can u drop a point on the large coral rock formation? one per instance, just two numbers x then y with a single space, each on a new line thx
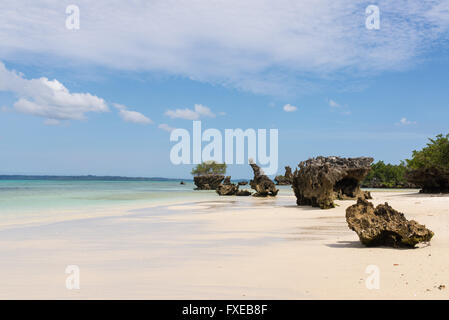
384 226
208 181
226 188
286 179
261 183
430 180
319 181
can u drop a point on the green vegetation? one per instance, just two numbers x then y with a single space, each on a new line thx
209 167
435 155
386 175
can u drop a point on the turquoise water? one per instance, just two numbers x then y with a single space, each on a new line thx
30 197
35 200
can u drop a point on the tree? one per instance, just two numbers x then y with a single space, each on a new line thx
435 155
209 167
388 175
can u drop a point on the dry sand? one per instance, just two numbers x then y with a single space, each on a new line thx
232 248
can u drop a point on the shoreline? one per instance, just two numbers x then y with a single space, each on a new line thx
225 249
110 210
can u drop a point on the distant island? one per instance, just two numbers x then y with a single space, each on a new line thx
85 178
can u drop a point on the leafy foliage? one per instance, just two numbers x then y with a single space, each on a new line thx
209 167
435 155
388 175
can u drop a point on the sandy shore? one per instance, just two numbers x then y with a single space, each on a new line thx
231 248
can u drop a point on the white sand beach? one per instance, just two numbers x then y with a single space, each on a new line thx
228 248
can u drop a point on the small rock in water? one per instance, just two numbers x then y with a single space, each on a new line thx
261 183
286 179
208 181
226 188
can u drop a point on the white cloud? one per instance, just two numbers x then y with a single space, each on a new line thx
189 114
340 108
405 122
333 104
261 46
48 98
289 108
132 116
166 127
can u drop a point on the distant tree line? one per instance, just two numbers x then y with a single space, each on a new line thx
434 156
386 176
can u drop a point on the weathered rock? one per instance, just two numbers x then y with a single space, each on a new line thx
208 182
243 183
227 180
227 189
430 180
319 181
261 183
286 179
243 193
384 226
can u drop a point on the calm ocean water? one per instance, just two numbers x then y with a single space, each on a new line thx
31 195
27 200
22 198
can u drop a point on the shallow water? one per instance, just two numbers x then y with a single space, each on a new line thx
27 199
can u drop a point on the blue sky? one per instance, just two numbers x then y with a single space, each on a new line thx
357 92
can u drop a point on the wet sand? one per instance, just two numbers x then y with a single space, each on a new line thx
231 248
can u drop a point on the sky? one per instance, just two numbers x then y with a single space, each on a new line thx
102 99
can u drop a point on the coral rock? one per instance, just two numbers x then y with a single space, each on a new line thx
430 180
208 182
227 189
384 226
319 181
261 183
286 179
243 193
227 180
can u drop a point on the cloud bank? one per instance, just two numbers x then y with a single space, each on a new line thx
260 46
48 99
